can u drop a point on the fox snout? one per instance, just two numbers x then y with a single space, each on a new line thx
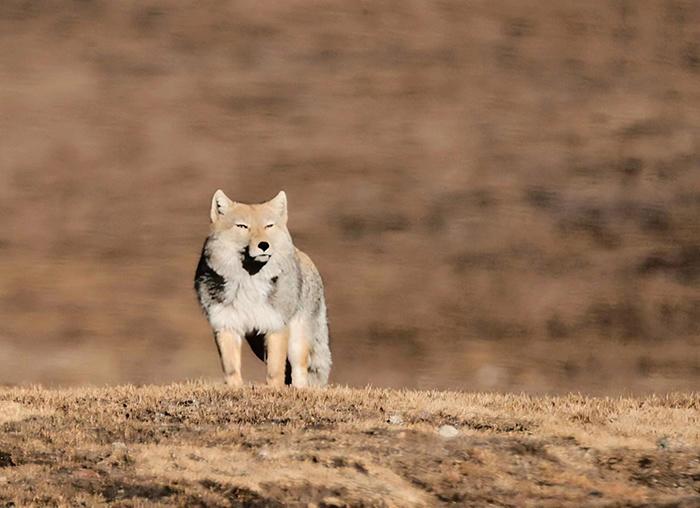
259 248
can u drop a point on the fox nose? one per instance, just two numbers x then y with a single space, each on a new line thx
263 246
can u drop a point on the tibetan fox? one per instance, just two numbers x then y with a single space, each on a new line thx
253 283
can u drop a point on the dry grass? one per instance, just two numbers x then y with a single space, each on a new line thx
199 444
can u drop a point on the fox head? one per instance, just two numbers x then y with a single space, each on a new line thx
258 232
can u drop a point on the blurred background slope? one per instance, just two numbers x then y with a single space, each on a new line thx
500 195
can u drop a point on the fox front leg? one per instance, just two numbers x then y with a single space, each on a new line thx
229 345
276 344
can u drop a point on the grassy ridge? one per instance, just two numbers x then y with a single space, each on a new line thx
200 444
520 175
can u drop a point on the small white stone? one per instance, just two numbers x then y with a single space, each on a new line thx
448 431
395 420
118 445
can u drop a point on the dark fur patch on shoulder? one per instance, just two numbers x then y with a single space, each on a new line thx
207 280
272 295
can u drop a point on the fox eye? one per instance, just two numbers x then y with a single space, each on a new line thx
269 226
242 226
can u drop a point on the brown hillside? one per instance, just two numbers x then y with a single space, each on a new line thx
500 195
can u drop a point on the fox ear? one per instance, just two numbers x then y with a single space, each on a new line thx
279 202
220 204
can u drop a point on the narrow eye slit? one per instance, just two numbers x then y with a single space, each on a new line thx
244 226
269 226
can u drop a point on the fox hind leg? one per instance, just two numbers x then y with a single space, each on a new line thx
299 351
256 340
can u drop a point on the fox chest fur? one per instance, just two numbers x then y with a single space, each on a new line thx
246 307
239 302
